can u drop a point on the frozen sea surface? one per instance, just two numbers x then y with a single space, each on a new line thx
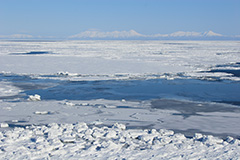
187 87
180 99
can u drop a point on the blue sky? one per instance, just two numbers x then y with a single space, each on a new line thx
62 18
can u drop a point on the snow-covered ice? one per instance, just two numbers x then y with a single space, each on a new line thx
108 58
119 99
181 116
80 141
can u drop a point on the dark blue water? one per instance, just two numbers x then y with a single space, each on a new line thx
33 53
188 89
234 72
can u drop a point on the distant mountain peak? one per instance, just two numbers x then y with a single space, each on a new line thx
211 33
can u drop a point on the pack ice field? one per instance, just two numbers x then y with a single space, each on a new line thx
119 93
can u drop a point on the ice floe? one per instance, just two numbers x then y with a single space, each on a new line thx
206 118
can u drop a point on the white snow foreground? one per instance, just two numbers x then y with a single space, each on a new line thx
80 141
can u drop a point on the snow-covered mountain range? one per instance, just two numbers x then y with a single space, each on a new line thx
132 35
94 34
194 34
16 36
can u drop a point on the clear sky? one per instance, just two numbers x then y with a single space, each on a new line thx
68 17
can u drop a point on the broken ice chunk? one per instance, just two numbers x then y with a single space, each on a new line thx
4 125
68 139
36 97
41 112
69 104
